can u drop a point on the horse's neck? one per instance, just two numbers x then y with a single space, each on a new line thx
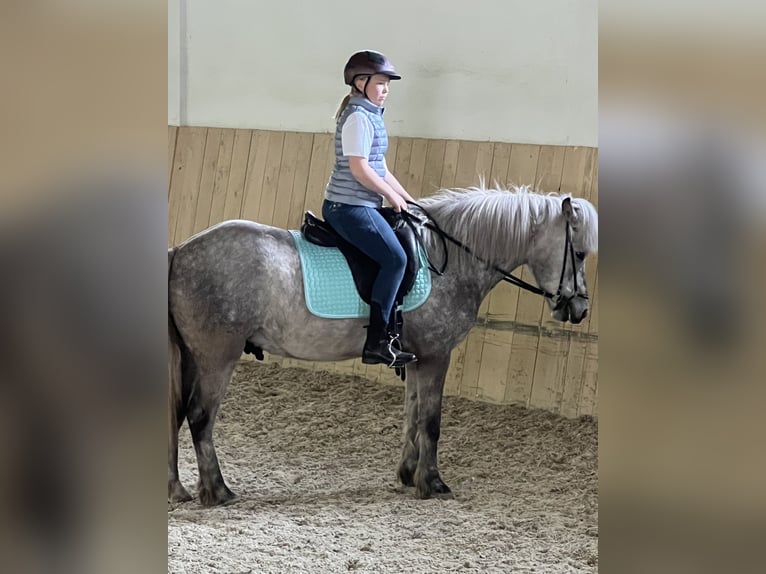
475 276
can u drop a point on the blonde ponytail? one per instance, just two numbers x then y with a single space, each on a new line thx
342 106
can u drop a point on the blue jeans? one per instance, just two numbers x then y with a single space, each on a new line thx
366 230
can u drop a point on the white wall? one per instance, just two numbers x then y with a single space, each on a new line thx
174 62
502 70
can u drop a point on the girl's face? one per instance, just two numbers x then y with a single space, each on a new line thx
377 88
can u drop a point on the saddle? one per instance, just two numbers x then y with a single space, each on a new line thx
363 269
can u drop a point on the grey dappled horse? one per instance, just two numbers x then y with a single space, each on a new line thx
240 282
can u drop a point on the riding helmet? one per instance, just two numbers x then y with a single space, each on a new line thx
367 63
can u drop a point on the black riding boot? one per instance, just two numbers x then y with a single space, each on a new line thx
378 347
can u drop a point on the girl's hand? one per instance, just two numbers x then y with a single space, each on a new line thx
397 202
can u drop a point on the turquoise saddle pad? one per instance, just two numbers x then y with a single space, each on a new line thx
330 289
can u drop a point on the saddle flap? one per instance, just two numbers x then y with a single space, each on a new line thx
318 232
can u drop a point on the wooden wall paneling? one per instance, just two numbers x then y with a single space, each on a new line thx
474 348
573 375
577 171
235 189
550 366
493 367
521 364
414 181
582 344
359 369
589 394
484 159
344 367
207 181
522 165
300 182
253 192
465 172
221 180
271 177
284 193
377 373
449 166
190 149
432 172
323 145
172 134
393 144
402 161
550 166
501 158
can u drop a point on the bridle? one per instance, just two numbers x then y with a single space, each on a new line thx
558 299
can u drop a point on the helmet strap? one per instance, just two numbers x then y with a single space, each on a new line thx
366 83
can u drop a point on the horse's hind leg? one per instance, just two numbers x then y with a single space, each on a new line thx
176 415
430 376
410 451
206 398
176 490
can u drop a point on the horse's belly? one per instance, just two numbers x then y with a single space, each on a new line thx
298 334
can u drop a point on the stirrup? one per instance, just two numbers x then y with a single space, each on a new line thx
395 351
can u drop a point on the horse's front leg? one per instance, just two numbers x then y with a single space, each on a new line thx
409 460
429 376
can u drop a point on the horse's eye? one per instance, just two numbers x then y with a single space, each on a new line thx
580 255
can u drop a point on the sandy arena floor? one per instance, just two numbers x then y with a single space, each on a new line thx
313 457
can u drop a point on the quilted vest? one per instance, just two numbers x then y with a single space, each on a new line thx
343 186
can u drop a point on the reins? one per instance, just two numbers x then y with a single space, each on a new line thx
430 223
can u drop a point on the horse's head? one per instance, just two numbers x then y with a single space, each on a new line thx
557 258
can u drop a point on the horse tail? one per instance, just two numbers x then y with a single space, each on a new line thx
176 403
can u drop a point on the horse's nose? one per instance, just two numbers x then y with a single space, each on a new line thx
577 315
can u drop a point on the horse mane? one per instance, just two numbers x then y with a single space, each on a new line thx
480 217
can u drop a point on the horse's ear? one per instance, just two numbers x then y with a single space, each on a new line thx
568 210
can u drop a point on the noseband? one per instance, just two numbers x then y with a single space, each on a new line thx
559 301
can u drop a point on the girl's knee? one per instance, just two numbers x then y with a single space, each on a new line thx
399 258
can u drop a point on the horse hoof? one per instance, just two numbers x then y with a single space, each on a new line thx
177 492
435 486
438 487
217 496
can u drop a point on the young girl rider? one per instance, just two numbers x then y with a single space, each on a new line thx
359 182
